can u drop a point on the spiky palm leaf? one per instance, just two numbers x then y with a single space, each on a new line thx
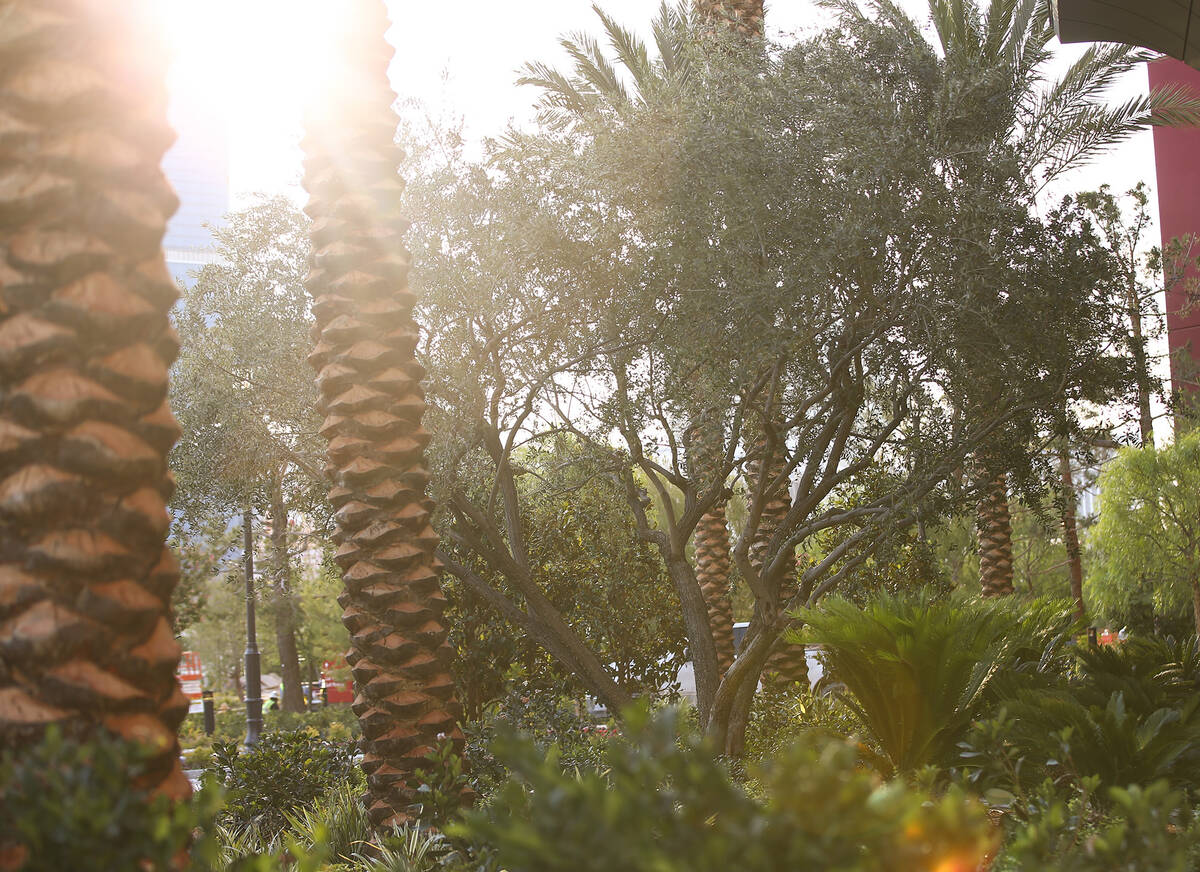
598 84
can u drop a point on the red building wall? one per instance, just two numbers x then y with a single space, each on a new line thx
1177 161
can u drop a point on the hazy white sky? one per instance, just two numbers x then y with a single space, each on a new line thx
256 58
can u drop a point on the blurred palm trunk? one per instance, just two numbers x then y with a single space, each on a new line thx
85 344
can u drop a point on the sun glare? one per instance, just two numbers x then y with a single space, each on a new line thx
251 65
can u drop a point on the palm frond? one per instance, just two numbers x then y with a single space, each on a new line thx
595 69
998 31
1096 70
892 13
631 52
957 23
1093 129
561 102
847 11
671 29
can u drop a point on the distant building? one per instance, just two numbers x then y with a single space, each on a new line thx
198 167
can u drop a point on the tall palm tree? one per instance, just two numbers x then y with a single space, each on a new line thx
994 528
371 393
85 345
993 67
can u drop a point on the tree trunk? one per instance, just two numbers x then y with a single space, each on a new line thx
1141 366
712 571
85 345
284 606
705 458
786 663
1070 535
728 717
995 540
371 392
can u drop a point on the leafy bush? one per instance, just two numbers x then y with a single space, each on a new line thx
1056 736
70 805
665 802
283 773
337 723
1148 829
1151 672
333 722
919 670
547 720
780 716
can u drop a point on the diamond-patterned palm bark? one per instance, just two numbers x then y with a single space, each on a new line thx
372 399
995 540
705 456
786 663
85 344
712 571
742 16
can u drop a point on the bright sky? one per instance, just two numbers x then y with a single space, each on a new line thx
256 59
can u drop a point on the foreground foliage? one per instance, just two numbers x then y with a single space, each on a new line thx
676 806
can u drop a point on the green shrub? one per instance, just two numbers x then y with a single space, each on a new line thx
1151 672
1056 736
666 803
780 716
336 723
283 773
549 721
1147 829
69 805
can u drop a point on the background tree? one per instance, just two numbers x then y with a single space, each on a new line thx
587 558
85 577
1004 118
247 405
1123 223
1147 541
590 276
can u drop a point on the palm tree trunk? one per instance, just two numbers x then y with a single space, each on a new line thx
372 397
1141 365
995 540
85 345
284 604
705 456
786 663
712 571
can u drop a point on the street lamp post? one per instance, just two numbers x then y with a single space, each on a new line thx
254 718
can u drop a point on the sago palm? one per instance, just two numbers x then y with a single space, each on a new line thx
85 578
999 102
371 393
918 670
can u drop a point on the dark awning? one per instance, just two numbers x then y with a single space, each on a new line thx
1169 26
